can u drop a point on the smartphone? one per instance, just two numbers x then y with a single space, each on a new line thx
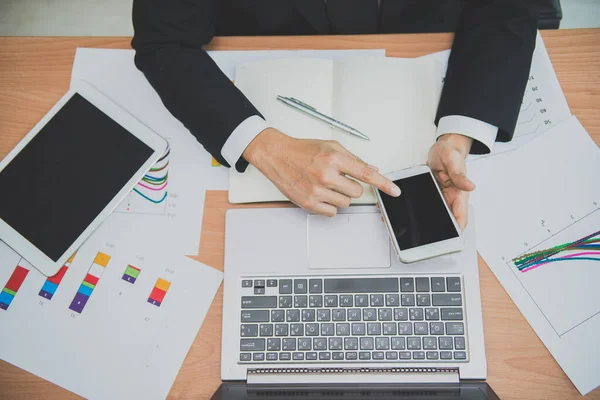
419 221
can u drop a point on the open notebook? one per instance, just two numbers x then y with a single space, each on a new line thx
391 100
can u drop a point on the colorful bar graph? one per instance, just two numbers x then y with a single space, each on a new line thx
89 282
131 274
159 291
51 284
12 286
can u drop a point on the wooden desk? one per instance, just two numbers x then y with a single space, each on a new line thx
35 73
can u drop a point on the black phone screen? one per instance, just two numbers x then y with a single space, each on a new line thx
419 216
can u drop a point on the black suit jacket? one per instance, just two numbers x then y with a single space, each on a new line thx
486 77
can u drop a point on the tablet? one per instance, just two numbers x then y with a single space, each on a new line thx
68 173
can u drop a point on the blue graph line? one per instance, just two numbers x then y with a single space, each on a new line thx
149 199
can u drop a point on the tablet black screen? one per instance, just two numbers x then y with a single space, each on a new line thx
65 176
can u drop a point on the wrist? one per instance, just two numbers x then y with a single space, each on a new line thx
460 142
266 142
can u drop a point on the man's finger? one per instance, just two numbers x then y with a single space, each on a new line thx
460 209
324 209
335 199
360 170
461 181
346 186
457 171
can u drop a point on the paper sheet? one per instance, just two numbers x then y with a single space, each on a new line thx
542 195
117 325
544 104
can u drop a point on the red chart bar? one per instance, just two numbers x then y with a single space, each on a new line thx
59 276
17 278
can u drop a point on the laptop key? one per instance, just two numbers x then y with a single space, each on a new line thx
407 285
315 286
413 343
271 356
359 328
389 328
429 343
258 357
391 355
300 286
436 328
385 314
418 355
300 301
342 329
247 283
407 300
405 328
382 343
259 290
460 355
454 299
296 329
292 315
277 315
335 343
288 344
323 315
252 344
346 300
351 355
284 356
315 300
400 314
259 301
331 300
339 315
311 355
452 314
445 343
312 329
255 316
438 285
350 343
416 314
337 355
364 355
298 356
459 343
376 300
273 344
319 344
398 343
369 314
308 315
304 344
324 356
285 286
245 356
374 328
453 283
392 300
422 284
432 355
423 300
271 283
445 355
327 329
285 301
361 300
249 330
259 283
432 314
404 355
455 328
281 329
367 343
266 329
377 355
421 328
354 314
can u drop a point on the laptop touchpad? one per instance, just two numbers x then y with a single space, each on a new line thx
347 241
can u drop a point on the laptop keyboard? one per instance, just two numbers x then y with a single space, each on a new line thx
353 320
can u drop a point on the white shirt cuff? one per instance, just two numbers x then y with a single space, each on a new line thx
471 127
241 137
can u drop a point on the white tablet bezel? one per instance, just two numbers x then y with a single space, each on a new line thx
158 144
429 250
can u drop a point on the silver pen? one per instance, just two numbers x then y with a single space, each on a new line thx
311 111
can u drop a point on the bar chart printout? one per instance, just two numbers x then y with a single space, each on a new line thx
131 274
159 291
52 282
89 282
14 283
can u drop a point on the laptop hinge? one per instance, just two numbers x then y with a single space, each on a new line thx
352 375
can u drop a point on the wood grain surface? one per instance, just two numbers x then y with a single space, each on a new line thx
35 73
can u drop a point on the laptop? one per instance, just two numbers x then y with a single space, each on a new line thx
311 300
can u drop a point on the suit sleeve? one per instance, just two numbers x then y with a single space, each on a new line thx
489 64
168 40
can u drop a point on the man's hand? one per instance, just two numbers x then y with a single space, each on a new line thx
312 173
447 162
